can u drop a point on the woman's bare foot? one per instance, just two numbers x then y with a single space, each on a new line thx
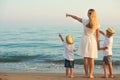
111 76
67 76
91 76
104 76
72 76
87 76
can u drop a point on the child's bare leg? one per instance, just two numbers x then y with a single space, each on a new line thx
71 72
110 70
86 66
105 70
67 72
91 67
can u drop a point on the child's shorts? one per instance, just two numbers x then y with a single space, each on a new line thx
69 64
107 59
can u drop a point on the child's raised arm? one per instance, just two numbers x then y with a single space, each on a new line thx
102 32
61 37
74 17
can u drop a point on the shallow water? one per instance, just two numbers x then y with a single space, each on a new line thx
39 49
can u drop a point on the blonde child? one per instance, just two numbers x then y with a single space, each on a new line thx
69 50
107 52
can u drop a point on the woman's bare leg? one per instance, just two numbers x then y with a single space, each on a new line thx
91 67
86 66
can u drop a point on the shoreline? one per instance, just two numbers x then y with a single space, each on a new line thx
50 68
50 76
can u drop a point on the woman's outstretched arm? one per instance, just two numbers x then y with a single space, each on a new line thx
102 32
74 17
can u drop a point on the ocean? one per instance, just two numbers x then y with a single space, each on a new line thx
39 49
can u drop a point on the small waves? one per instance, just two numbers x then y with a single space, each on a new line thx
81 62
26 45
28 58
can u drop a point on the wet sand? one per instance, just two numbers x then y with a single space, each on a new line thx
50 76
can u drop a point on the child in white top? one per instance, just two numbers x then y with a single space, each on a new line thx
107 51
69 49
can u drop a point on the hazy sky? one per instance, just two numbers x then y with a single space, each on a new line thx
52 12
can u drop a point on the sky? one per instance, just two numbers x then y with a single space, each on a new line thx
52 12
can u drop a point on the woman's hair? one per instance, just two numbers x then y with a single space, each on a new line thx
93 19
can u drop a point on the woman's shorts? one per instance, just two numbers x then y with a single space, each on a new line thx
69 64
107 59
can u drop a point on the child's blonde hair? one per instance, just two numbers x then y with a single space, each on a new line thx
69 39
110 31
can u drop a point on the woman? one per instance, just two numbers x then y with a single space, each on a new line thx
88 44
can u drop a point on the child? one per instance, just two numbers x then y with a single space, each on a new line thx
69 49
107 51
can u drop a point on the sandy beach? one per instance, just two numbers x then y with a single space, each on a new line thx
50 76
